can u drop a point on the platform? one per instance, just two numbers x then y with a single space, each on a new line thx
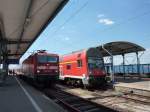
141 87
17 96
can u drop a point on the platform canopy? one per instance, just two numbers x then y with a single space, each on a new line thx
22 21
119 48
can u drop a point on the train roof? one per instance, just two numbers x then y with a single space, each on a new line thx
44 53
78 51
73 52
41 53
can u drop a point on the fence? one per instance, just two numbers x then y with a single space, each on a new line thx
132 69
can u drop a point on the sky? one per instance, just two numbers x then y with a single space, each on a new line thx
87 23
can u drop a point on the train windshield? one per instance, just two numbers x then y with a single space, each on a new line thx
52 59
45 59
94 63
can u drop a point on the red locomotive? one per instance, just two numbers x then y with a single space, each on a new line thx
85 66
41 67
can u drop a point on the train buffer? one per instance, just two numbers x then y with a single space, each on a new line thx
17 96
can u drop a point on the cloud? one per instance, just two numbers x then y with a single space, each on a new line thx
63 37
106 21
103 20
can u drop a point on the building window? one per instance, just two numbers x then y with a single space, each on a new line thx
79 63
68 67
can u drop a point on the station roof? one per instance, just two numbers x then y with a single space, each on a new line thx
22 21
119 48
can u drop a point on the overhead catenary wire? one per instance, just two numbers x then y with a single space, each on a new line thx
124 21
67 21
127 20
74 14
71 17
106 29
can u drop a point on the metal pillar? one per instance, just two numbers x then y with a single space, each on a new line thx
112 69
112 65
148 68
5 67
123 65
3 53
143 69
1 60
0 52
132 69
138 64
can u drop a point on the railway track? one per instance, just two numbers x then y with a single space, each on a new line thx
137 98
120 101
74 103
129 96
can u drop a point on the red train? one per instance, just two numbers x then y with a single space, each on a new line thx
41 67
85 66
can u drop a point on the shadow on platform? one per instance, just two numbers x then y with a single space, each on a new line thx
17 96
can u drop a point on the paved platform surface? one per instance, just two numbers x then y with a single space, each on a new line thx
141 87
144 85
17 96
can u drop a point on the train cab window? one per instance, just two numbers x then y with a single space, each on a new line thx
79 63
45 59
95 63
52 59
68 67
42 59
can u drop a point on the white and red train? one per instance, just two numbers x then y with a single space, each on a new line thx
85 66
82 67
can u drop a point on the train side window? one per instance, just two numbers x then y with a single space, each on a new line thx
68 67
79 63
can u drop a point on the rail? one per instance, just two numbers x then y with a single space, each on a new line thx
75 103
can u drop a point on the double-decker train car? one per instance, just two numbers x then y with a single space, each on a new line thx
41 67
83 67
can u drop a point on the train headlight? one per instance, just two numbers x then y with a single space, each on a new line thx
103 72
90 72
38 71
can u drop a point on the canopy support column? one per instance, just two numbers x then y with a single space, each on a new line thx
3 54
112 68
123 55
138 64
0 52
5 68
112 65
